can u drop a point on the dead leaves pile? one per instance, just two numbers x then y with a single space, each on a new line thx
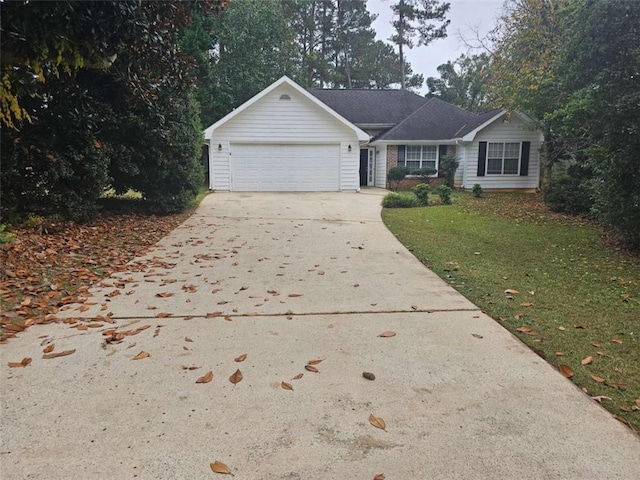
48 268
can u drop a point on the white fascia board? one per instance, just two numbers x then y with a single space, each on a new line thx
362 135
472 134
447 141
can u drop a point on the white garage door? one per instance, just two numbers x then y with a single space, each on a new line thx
285 168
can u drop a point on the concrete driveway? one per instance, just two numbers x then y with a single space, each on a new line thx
284 279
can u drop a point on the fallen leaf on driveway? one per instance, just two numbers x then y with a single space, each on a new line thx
387 334
566 371
49 348
213 314
219 467
190 367
286 386
163 315
23 363
164 294
315 361
241 358
187 339
298 376
236 377
477 335
379 476
141 355
64 353
206 378
414 307
293 295
311 368
377 422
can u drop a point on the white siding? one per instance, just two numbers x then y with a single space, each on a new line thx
513 131
349 166
270 121
381 166
458 179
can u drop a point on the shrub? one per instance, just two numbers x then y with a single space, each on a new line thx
5 236
421 191
396 175
399 200
571 192
445 194
477 190
424 173
448 166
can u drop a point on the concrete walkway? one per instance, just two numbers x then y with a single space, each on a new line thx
284 279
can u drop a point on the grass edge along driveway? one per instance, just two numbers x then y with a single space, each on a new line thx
548 278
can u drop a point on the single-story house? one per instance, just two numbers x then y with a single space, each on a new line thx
287 138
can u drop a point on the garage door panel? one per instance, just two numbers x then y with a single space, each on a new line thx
285 167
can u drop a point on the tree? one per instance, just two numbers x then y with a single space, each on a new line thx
417 18
463 82
255 47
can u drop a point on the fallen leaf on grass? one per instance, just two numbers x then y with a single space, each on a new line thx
559 354
241 358
524 329
599 398
586 360
566 371
141 355
49 348
510 291
219 467
236 377
64 353
598 379
22 363
206 378
377 422
617 340
286 386
581 326
311 368
387 334
526 304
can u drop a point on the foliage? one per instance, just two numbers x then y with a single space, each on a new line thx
5 235
109 105
447 169
463 82
569 191
421 191
477 190
423 173
396 175
561 269
444 192
399 200
417 18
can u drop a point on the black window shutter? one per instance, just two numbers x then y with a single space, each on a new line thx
442 151
524 159
482 158
401 154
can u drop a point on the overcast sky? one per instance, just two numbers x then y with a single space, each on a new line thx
464 15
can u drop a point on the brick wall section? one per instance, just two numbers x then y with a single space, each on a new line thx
409 183
392 157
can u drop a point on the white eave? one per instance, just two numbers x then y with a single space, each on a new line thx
362 135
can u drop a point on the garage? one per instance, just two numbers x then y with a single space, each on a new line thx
281 168
284 140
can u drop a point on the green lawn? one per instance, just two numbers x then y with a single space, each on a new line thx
577 297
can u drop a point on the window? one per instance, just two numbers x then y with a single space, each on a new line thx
503 158
420 156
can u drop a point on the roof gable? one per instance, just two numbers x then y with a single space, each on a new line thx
362 136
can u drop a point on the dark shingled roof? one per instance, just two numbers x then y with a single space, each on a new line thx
367 106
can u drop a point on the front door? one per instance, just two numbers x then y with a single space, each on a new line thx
364 166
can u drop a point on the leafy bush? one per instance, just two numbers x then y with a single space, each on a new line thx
570 190
399 200
424 173
445 194
396 175
477 190
421 191
448 166
5 236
